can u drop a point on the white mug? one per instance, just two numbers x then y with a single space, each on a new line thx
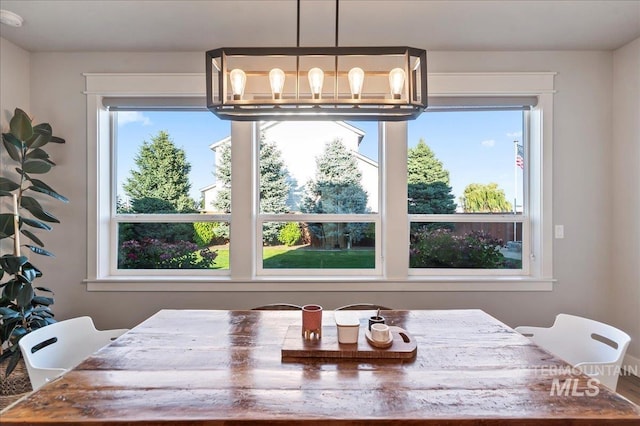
380 332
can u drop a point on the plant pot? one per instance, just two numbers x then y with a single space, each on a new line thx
16 385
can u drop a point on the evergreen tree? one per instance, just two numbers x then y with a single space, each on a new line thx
163 173
159 185
274 188
428 182
479 198
336 189
222 202
423 166
431 198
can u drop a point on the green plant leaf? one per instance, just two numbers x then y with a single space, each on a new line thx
11 289
37 153
33 223
8 313
41 136
41 300
25 295
36 166
38 250
48 290
36 210
56 139
29 266
7 184
41 187
6 225
20 125
32 237
12 264
29 275
13 146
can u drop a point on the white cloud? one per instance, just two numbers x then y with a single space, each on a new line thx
515 134
126 117
490 143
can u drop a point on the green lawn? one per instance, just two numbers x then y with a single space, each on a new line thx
301 258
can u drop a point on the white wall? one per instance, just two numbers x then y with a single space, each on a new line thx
14 84
582 181
625 242
14 93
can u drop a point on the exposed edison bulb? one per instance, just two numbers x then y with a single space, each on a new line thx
238 80
356 80
396 82
316 79
276 80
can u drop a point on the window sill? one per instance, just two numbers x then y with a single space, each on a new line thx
334 284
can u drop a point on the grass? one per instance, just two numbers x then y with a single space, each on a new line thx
301 257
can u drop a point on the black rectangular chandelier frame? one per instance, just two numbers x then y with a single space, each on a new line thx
298 103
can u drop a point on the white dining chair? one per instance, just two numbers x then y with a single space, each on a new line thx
50 351
595 348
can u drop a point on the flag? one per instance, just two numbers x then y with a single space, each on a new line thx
520 156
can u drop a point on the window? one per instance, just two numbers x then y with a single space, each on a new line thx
266 194
465 186
171 200
318 199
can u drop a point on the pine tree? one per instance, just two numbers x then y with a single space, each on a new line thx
423 166
428 182
163 173
479 198
336 189
222 202
274 188
159 185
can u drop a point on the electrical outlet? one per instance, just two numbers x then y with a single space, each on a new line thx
559 231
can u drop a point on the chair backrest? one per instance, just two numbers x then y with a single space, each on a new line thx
50 351
594 347
363 307
278 307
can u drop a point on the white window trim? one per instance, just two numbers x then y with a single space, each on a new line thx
394 227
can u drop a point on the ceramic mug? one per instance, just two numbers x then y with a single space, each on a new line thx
311 322
376 320
380 332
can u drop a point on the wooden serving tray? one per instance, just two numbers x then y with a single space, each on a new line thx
294 346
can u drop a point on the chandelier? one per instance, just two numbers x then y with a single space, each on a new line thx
316 83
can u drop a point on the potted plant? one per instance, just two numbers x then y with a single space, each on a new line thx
24 307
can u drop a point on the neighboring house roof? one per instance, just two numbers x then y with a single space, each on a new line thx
269 124
300 158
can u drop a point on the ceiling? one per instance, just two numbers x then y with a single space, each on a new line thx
199 25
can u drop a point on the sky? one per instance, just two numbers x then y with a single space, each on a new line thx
475 147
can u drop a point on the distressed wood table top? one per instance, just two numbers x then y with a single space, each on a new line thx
225 367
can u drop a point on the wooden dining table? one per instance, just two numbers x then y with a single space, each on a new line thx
196 367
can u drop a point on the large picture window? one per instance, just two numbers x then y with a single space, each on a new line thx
465 189
459 199
318 198
172 192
